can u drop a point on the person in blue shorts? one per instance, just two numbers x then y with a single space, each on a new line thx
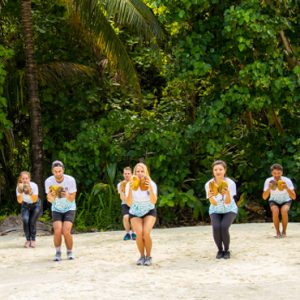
220 191
280 191
127 173
61 192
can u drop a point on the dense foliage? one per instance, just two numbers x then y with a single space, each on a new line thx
223 84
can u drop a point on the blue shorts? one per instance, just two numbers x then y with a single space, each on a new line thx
62 217
151 212
279 205
125 209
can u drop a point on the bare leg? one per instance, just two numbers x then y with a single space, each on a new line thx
57 226
275 216
66 231
126 223
149 222
137 225
285 218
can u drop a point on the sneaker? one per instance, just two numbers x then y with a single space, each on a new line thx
133 236
57 256
220 254
141 261
127 237
226 255
70 255
148 261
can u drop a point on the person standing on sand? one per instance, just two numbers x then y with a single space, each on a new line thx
220 191
141 196
127 173
61 192
280 191
27 195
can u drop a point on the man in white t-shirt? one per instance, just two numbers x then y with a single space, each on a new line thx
61 192
127 173
280 191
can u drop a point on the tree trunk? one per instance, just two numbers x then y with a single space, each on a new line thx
34 101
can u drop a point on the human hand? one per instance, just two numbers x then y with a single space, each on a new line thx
20 188
213 201
272 185
27 189
224 190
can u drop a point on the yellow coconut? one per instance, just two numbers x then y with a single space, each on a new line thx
134 182
144 183
57 189
213 188
273 185
280 185
222 186
123 186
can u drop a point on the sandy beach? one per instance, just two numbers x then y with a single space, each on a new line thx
184 266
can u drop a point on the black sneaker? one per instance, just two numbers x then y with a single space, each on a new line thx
219 254
226 255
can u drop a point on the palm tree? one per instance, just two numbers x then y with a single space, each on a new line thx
93 19
33 94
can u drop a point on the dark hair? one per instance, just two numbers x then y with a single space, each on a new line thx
57 163
276 167
219 162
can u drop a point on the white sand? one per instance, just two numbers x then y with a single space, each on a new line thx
184 266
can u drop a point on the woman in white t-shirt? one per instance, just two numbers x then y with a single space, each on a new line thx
280 191
142 212
220 191
27 195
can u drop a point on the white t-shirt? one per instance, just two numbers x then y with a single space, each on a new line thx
26 197
222 207
62 205
276 195
141 203
119 191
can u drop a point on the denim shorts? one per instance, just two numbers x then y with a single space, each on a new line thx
62 217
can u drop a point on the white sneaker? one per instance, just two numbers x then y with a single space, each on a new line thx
141 261
57 256
70 255
148 261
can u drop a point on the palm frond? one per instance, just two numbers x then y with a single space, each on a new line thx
135 14
2 3
54 72
90 15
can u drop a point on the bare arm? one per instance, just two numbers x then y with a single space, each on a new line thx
129 197
212 199
291 193
266 194
226 193
51 197
153 197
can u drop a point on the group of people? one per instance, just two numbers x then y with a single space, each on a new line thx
138 194
61 192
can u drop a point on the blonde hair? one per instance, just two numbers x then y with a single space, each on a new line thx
21 174
142 165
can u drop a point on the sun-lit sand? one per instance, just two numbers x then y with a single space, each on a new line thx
184 266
